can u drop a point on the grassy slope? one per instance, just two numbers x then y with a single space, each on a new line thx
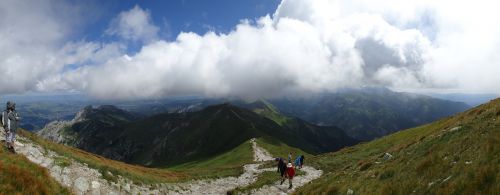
135 173
271 112
431 159
227 164
279 149
19 176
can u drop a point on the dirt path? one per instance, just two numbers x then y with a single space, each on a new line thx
82 179
276 188
260 154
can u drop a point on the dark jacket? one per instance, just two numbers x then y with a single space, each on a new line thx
13 121
5 117
281 166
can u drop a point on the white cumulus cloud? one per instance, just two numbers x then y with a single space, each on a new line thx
135 25
304 47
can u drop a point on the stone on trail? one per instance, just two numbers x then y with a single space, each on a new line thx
81 184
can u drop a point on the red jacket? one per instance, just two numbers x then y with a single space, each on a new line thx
290 172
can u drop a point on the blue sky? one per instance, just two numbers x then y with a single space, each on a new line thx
174 16
141 49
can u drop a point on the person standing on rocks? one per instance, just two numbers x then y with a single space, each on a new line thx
290 173
290 157
11 124
281 168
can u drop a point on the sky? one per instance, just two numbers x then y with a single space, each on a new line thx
247 48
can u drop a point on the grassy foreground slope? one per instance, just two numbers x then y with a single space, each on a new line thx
137 174
19 176
456 155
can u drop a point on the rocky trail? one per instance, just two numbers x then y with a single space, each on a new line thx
82 179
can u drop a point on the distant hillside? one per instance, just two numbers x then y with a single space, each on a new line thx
369 113
174 138
89 122
456 155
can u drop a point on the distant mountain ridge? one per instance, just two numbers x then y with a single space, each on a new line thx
105 116
173 138
368 113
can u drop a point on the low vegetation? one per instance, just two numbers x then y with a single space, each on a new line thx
227 164
456 155
19 176
109 168
279 149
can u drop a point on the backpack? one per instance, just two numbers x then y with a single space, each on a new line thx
4 118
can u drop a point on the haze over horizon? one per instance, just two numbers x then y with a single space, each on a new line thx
144 49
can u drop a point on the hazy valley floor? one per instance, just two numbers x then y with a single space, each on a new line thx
82 179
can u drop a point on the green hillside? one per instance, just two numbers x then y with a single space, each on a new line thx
20 176
456 155
171 139
226 164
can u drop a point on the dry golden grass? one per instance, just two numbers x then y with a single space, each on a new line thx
19 176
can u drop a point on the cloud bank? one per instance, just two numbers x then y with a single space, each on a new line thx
304 47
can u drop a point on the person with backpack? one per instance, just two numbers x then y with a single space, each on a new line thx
301 161
281 168
11 123
4 121
297 161
290 173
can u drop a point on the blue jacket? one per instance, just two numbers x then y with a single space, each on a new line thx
297 161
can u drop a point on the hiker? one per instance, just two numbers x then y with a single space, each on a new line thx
290 157
301 161
297 161
290 173
4 120
12 122
281 168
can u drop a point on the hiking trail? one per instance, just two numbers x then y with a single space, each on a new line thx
81 179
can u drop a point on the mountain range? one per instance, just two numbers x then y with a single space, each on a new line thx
368 113
174 138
